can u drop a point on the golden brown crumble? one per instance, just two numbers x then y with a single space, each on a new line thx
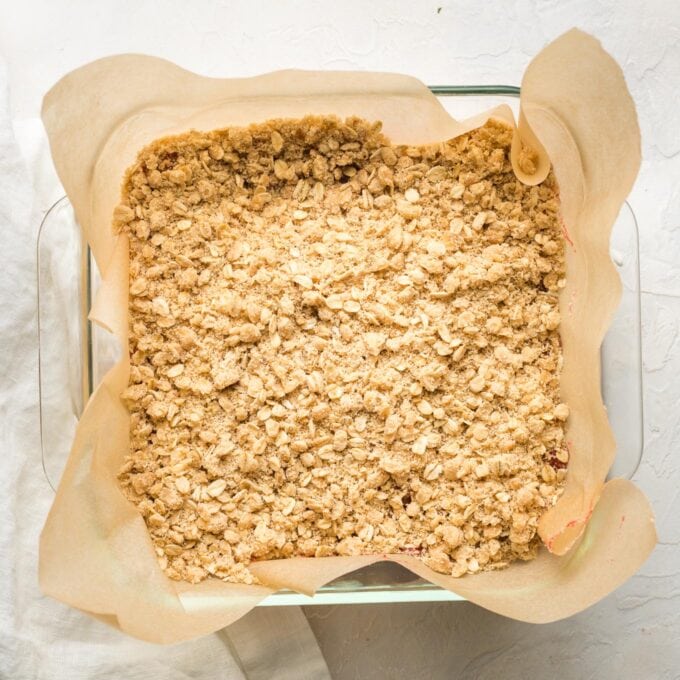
341 346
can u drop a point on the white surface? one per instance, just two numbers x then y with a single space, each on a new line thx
632 634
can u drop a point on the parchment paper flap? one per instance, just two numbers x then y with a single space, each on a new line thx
577 115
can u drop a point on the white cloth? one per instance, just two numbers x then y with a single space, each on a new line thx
39 637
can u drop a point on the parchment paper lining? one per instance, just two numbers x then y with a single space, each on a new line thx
576 114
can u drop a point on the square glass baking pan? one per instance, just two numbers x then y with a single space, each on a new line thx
74 354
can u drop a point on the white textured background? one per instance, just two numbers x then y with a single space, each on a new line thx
634 633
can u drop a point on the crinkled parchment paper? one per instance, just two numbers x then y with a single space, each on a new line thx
576 114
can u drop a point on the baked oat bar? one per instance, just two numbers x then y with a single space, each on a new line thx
341 346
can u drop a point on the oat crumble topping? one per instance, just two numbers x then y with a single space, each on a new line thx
341 346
